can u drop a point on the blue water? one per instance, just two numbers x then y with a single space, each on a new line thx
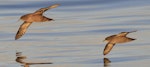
75 38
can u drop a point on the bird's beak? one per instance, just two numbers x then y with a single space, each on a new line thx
53 20
132 31
104 40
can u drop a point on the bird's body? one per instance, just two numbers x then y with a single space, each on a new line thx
37 16
118 38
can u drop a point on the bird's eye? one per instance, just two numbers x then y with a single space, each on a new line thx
40 11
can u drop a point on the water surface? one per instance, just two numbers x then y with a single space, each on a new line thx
75 38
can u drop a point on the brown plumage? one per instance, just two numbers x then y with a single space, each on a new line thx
37 16
118 38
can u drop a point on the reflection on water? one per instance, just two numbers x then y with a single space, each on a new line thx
20 59
106 62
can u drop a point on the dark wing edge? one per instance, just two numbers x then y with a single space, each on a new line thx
126 39
22 29
108 48
130 39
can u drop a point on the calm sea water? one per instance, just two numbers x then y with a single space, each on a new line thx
75 38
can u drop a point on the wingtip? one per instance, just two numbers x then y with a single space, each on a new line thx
54 5
16 38
105 54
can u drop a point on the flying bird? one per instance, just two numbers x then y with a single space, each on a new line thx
118 38
37 16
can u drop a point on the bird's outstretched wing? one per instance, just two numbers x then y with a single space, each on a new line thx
42 10
53 6
22 29
108 48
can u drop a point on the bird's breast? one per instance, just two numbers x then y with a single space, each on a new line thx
27 17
